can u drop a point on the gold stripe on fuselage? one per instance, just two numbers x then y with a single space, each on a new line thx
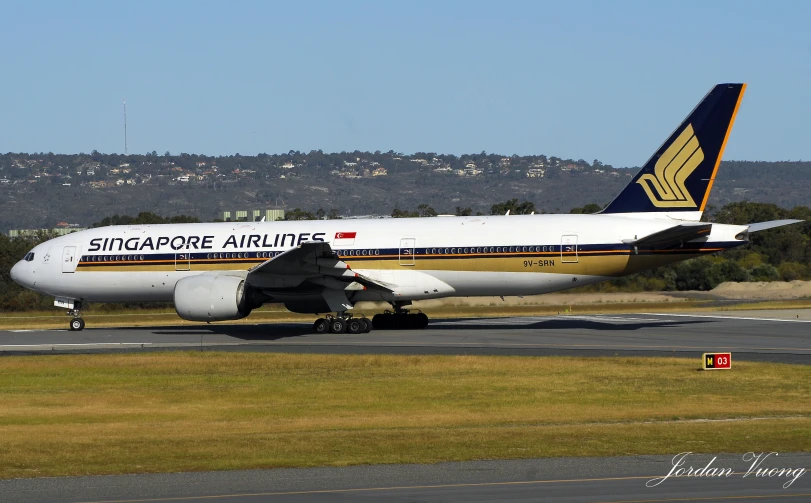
591 263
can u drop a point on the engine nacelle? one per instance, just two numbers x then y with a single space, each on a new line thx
211 298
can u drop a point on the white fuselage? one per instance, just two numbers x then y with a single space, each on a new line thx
423 257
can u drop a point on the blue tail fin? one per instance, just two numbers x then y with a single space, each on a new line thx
679 176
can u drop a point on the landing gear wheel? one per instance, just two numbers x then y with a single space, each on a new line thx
76 324
381 321
402 320
353 326
367 325
321 326
337 326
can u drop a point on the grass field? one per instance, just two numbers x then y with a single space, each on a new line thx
133 413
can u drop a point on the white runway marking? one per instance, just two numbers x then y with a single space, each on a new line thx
526 320
729 317
80 344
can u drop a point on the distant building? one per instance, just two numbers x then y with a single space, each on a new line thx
381 171
57 231
252 215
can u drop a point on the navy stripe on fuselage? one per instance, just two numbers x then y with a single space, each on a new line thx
371 254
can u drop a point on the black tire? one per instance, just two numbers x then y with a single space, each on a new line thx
76 325
338 326
354 326
320 326
421 320
367 325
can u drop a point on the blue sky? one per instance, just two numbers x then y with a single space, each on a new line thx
606 80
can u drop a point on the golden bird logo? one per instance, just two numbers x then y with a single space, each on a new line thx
680 159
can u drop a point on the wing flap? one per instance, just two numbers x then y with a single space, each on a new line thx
317 262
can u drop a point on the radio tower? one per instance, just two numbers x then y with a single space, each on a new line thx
125 126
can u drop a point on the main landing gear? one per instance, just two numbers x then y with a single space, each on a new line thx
400 319
77 323
342 323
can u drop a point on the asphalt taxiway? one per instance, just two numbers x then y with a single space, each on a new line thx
780 337
609 479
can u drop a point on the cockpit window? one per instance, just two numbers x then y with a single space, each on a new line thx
29 257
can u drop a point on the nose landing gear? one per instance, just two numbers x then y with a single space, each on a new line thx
77 323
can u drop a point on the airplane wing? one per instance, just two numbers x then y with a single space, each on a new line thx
311 268
672 237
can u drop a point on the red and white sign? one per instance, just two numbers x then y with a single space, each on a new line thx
344 239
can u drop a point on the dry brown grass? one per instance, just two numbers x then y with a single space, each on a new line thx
94 414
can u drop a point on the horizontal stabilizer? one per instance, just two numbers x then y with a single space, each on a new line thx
672 236
762 226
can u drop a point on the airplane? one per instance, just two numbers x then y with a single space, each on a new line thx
222 271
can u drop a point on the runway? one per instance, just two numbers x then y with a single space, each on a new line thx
759 336
608 479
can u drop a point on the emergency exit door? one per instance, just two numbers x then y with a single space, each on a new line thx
568 248
183 260
407 251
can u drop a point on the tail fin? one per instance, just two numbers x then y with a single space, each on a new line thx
678 178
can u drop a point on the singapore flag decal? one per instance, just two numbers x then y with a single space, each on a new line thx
344 239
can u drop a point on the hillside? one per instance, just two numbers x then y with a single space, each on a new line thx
40 190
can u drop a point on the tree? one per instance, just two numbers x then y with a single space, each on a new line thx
587 209
426 211
514 207
398 213
299 214
463 212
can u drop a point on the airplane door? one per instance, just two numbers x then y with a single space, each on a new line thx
183 260
568 248
407 251
69 259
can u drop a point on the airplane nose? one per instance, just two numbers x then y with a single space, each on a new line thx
15 272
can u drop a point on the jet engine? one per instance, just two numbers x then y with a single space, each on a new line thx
212 298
